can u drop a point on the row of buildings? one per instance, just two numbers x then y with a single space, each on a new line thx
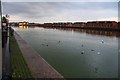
68 24
24 23
90 24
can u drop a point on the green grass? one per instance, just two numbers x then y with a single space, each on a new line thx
18 63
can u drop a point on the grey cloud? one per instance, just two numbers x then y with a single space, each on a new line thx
61 0
30 9
49 10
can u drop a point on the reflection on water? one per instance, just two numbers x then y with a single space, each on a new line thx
94 32
24 27
76 53
88 31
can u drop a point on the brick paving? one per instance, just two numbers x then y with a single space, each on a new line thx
38 66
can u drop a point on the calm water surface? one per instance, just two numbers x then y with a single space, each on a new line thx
75 54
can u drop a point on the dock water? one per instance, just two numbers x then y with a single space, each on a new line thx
38 66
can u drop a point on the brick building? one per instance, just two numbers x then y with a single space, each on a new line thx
47 24
102 24
23 23
79 24
69 24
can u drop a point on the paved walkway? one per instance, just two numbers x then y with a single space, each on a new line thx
38 66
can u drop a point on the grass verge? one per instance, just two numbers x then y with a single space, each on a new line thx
18 63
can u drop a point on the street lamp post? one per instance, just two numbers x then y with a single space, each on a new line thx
4 31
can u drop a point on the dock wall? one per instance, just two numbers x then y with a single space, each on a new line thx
38 66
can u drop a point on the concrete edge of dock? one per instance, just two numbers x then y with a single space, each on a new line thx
37 65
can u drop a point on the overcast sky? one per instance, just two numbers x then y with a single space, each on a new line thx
60 0
43 12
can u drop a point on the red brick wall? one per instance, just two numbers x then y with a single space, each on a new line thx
103 24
